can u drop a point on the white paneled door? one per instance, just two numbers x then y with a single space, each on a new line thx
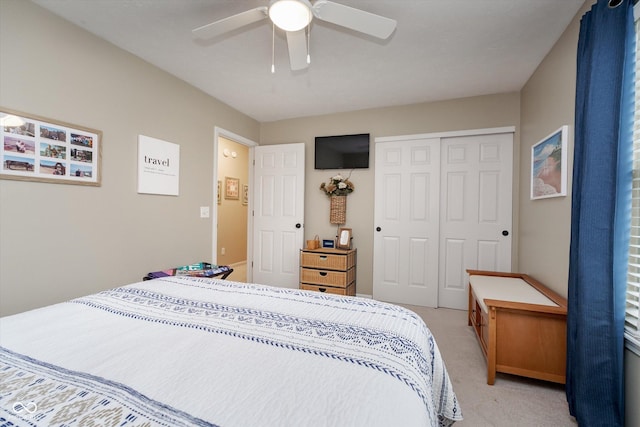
278 214
407 187
475 211
442 205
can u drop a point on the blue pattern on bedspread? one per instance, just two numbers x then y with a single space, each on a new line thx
76 398
202 316
394 343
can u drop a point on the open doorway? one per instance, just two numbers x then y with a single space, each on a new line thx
231 220
233 203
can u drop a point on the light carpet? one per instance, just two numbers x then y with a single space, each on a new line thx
512 400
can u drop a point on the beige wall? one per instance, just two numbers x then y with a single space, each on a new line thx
232 214
63 241
547 104
632 389
460 114
548 101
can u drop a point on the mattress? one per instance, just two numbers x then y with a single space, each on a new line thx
185 351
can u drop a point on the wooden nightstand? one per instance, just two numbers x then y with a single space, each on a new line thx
328 270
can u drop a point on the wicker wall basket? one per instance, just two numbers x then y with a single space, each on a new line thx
338 210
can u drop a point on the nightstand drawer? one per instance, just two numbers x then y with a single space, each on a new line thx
327 277
349 290
328 261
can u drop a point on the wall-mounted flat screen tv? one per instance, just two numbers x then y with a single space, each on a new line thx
342 151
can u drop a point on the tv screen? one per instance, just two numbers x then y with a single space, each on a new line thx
342 151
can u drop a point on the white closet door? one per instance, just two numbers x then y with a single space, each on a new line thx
443 204
407 176
475 211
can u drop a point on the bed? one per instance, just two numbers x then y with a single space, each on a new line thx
185 351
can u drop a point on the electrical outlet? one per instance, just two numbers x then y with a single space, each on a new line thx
223 251
204 211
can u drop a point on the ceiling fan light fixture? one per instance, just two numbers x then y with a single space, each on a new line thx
290 15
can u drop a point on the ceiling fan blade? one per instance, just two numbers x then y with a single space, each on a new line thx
355 19
297 42
229 24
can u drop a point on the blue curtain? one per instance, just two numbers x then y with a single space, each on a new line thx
600 211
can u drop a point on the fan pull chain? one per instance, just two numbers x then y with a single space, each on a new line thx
273 49
308 31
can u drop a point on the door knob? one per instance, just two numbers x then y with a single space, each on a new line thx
298 225
505 233
378 229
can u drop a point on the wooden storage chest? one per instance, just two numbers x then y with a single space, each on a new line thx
521 325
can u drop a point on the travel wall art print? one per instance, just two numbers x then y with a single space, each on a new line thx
40 149
549 166
158 166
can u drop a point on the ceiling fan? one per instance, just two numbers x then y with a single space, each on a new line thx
294 17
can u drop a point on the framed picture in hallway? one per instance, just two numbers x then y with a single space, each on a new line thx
231 188
245 194
549 165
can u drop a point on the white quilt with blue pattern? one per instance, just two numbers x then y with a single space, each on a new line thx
184 351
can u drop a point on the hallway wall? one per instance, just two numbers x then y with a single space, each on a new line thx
232 213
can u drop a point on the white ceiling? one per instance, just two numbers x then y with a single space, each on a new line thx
441 49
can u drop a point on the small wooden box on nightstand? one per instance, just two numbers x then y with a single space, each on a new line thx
328 270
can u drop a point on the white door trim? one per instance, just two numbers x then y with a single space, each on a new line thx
449 134
217 133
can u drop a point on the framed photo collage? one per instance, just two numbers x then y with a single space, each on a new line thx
39 149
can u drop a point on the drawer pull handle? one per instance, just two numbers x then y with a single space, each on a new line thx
323 257
322 273
322 289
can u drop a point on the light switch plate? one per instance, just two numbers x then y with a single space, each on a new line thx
204 211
